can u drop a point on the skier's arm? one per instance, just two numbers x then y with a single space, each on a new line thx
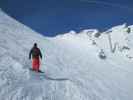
40 54
30 54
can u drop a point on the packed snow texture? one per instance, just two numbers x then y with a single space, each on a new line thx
71 61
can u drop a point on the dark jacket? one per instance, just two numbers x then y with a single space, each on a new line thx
35 53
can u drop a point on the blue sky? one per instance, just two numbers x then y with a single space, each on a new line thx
52 17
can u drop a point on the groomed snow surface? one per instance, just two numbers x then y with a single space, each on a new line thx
73 69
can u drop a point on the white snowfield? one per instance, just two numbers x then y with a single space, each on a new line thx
73 69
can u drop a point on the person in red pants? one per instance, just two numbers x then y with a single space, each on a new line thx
36 55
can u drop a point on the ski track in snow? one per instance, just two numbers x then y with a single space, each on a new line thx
72 68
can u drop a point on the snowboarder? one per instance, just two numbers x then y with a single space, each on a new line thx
36 55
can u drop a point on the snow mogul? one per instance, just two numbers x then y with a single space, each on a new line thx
36 55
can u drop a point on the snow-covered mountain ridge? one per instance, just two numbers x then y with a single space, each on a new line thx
118 38
73 56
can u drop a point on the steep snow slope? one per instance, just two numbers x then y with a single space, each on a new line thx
71 56
16 81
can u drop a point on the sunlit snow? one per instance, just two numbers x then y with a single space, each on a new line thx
71 62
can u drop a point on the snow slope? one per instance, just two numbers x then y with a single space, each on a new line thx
71 61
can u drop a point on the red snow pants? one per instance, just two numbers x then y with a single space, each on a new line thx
35 64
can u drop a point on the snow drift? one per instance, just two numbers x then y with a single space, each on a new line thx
71 61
